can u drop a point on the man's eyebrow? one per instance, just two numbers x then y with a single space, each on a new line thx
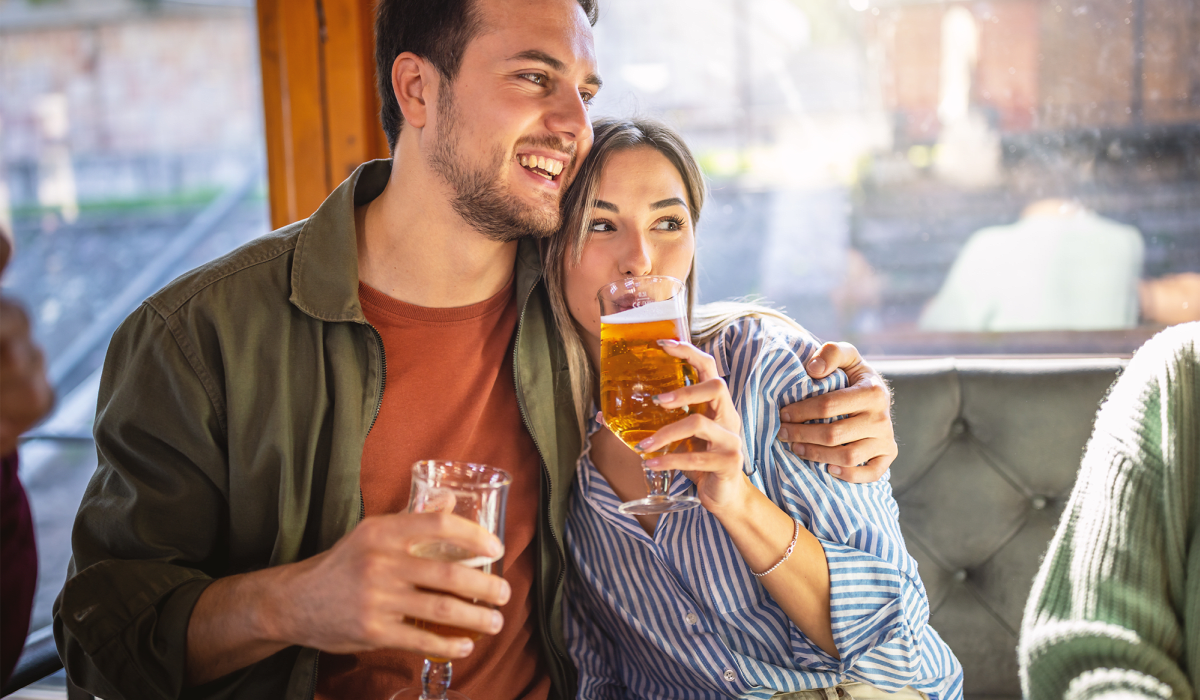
608 206
554 64
673 201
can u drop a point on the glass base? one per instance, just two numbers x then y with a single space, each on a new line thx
655 505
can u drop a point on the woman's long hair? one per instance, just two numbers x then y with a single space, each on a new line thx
565 248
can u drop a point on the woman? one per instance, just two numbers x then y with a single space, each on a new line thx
673 607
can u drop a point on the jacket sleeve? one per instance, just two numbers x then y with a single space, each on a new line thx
879 607
148 536
1104 616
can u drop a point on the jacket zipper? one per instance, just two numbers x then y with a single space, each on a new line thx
362 506
545 470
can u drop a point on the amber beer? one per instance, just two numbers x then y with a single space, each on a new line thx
636 313
634 369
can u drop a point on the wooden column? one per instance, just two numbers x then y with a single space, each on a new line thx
319 101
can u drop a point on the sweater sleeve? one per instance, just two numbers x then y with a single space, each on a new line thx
1106 615
18 571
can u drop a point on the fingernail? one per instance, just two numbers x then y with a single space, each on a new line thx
667 343
816 366
783 434
798 449
669 396
646 444
497 621
651 463
495 549
505 592
836 471
787 417
466 648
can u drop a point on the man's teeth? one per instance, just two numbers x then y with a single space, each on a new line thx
546 167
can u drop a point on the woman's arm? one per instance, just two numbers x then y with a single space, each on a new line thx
761 530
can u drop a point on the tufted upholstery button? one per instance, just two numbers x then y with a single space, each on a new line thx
1038 502
959 427
730 675
960 575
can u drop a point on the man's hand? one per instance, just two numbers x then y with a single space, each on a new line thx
361 595
25 394
864 437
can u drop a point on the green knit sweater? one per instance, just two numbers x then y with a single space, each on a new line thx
1115 608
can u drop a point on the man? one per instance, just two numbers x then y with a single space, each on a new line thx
25 398
245 513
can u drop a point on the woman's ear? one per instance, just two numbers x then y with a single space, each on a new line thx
412 78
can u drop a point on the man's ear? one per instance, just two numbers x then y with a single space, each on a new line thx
413 79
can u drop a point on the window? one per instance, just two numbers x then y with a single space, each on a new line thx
1013 176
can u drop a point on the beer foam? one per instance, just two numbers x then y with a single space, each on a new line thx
654 311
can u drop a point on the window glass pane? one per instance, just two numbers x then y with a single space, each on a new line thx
130 151
1016 176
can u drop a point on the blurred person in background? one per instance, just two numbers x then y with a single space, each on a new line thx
25 398
1059 267
1115 608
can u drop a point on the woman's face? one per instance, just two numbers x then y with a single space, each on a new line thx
640 226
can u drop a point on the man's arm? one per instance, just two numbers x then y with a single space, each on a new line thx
864 437
358 596
147 608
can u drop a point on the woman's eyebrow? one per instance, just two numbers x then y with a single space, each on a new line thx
664 203
608 206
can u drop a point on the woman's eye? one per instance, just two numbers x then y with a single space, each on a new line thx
668 225
600 227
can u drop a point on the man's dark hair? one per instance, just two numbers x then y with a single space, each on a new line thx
436 30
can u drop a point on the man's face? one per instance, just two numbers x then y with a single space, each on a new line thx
513 126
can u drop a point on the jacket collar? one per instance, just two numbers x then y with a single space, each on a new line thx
325 268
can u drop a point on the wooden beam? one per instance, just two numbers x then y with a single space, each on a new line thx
319 100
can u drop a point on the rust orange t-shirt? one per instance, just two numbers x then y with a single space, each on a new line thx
450 395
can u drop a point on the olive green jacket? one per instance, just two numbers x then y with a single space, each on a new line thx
233 409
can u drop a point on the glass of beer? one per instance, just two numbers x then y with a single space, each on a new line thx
636 313
478 493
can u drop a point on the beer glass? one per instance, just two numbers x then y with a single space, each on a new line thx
478 493
635 313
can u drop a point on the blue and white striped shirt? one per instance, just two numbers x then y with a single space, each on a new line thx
678 614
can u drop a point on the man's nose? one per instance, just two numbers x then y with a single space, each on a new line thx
569 119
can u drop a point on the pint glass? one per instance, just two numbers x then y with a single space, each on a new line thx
635 313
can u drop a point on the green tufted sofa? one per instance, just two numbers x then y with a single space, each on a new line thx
989 450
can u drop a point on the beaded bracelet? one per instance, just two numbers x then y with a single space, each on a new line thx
788 553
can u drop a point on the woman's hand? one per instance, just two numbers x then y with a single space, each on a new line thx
717 471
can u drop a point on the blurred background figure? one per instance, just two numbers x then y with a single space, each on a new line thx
1060 267
25 398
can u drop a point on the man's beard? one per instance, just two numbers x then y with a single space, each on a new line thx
479 196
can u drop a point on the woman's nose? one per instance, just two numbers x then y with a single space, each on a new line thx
637 260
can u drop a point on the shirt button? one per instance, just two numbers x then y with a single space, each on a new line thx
730 675
691 619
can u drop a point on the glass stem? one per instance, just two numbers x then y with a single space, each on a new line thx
435 680
656 482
